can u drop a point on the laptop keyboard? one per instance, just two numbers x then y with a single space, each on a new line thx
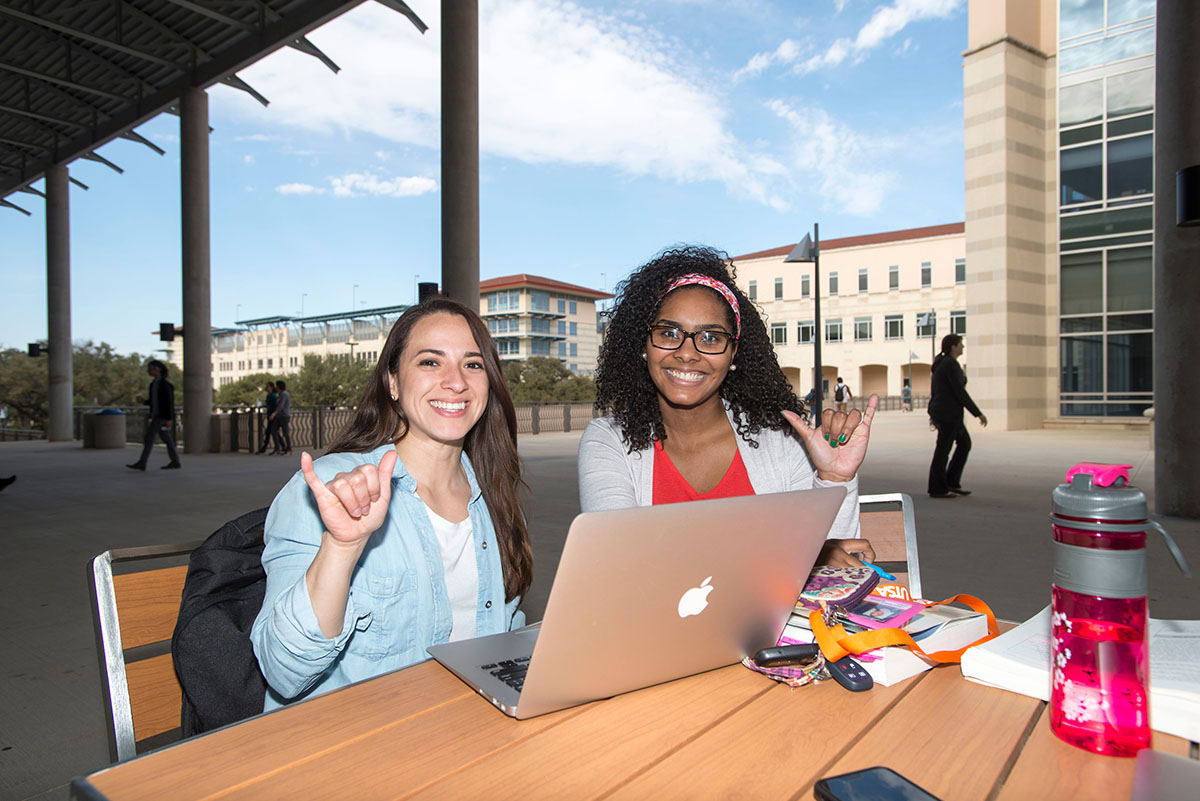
510 671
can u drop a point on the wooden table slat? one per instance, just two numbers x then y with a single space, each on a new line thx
594 751
1050 768
770 748
271 744
932 736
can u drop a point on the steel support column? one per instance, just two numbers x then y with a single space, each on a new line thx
197 300
460 150
1176 255
58 302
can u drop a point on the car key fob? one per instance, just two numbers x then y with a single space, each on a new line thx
784 655
850 674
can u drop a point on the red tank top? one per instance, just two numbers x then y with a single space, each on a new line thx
671 487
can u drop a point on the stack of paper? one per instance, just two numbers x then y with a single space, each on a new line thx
1019 661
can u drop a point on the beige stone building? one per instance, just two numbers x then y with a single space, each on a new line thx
529 315
886 301
1059 141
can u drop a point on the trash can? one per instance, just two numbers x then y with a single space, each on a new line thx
104 429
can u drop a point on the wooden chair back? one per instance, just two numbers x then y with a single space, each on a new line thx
134 612
887 521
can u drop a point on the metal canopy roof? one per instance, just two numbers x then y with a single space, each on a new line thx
75 74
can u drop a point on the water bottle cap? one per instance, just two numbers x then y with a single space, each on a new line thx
1099 492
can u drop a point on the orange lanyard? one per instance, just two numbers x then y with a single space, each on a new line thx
836 642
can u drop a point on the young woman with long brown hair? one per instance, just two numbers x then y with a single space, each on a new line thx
409 531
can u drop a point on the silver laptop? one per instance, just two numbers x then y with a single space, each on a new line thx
651 594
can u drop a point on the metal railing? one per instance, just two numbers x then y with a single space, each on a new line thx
14 434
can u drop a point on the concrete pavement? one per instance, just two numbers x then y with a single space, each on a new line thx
70 504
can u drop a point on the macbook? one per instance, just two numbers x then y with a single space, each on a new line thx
650 594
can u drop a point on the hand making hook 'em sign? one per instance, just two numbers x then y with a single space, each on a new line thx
353 504
837 448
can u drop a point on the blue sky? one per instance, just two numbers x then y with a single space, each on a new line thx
609 130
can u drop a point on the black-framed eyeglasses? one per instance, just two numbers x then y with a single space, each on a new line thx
669 337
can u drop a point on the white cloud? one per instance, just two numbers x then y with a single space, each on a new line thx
361 184
886 22
848 166
558 84
257 138
299 189
248 160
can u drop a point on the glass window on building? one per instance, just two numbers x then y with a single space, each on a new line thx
833 284
806 332
574 329
893 326
862 279
926 325
753 292
562 306
960 271
562 348
958 323
1130 167
778 333
509 347
862 329
1130 93
1081 174
778 289
805 286
539 347
1078 17
538 326
574 348
574 305
539 300
1083 102
833 330
562 328
894 276
1107 339
926 275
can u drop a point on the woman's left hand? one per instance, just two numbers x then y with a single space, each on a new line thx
838 447
846 553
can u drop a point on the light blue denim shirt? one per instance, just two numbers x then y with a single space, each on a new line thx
398 603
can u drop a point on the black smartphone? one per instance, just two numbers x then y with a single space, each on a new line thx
872 784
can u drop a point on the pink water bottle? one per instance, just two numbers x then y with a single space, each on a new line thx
1099 647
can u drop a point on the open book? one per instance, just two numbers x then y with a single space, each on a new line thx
1019 660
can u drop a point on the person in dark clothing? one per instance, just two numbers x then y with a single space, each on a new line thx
281 418
162 417
4 482
271 402
948 399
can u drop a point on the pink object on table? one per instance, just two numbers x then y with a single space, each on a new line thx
1103 475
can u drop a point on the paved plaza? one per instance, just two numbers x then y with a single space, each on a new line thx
70 504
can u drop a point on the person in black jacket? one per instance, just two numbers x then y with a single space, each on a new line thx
948 399
161 418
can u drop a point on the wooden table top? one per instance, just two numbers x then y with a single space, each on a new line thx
420 733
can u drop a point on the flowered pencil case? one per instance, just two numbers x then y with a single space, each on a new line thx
838 586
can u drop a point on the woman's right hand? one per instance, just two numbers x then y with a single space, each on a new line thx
354 504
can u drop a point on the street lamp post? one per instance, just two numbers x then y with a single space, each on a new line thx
810 250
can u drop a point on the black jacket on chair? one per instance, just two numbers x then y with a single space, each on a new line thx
222 595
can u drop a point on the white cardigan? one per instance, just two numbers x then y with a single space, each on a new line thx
612 478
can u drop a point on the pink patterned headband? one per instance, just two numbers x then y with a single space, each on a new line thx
711 283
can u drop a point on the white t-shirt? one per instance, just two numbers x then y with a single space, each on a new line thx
457 543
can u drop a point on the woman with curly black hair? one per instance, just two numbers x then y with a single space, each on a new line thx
699 407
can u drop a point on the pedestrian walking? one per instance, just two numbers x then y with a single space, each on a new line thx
161 418
948 399
271 401
282 416
906 396
841 395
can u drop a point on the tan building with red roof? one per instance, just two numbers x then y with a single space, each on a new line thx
529 315
876 293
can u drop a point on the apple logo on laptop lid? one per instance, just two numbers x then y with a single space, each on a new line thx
695 600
